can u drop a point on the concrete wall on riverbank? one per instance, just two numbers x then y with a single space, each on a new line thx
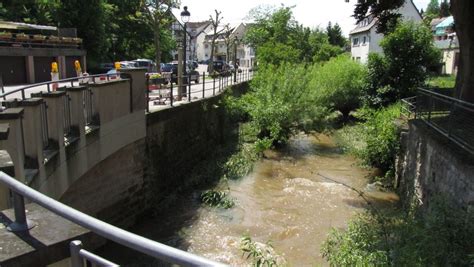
135 178
430 166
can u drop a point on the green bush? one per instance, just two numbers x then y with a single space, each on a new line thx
338 84
444 236
279 103
361 244
217 199
381 136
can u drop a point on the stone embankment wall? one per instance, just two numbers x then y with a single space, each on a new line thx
126 184
430 166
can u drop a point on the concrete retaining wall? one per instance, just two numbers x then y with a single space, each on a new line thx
128 182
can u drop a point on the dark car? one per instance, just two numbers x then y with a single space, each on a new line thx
172 68
221 68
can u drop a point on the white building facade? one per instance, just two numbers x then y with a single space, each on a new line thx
365 39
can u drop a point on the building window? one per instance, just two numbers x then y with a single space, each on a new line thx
364 40
355 42
357 59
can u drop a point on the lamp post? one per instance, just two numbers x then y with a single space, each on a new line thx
185 18
235 59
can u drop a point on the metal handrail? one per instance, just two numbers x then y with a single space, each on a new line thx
447 115
217 84
471 105
108 231
78 255
48 83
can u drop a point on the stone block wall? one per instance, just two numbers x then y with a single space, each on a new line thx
429 166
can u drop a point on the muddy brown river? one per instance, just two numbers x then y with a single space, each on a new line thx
293 198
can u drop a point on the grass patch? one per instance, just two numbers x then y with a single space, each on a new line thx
444 81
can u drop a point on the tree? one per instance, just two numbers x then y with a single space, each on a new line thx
462 11
157 15
433 9
444 9
88 17
215 22
408 53
335 35
338 84
227 35
30 11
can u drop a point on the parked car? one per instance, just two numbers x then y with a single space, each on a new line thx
146 63
172 69
128 64
221 68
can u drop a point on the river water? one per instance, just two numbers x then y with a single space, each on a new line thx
293 198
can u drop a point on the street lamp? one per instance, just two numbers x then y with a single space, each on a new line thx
185 18
235 58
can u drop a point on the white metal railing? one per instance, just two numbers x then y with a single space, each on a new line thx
108 231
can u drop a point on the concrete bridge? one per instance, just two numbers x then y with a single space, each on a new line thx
94 148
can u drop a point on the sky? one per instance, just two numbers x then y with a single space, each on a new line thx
310 13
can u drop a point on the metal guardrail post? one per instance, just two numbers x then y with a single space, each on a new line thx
147 92
1 85
21 223
76 259
171 92
203 84
430 105
213 85
451 117
189 87
220 83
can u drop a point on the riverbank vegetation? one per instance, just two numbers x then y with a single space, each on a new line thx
292 92
441 237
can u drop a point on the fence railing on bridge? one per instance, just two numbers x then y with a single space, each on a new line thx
451 117
166 91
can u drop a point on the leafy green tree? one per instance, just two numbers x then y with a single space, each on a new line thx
385 11
338 84
408 54
89 18
30 11
444 9
277 38
335 35
280 102
433 8
326 52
